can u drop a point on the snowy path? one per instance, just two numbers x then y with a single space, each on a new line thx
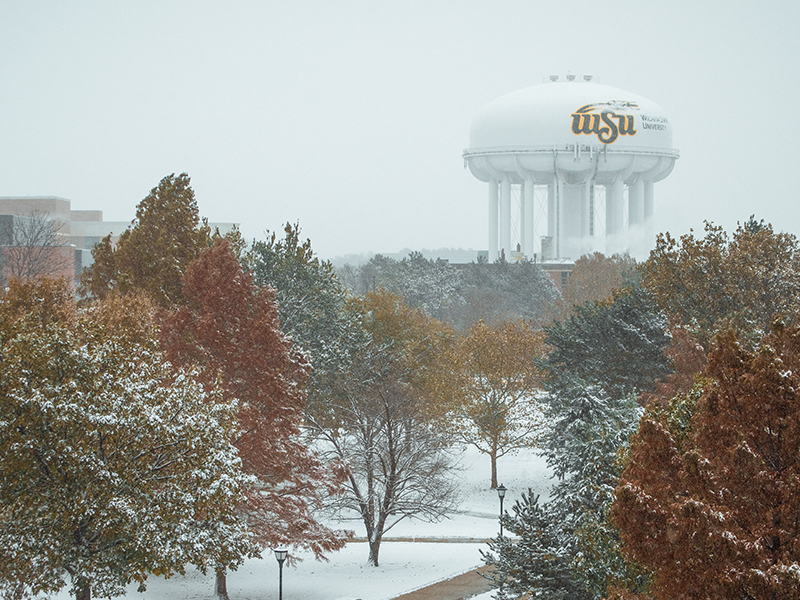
462 586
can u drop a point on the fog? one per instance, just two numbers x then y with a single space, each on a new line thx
350 117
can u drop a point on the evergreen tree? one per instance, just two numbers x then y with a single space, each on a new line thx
509 290
536 561
311 305
602 357
588 432
465 294
99 279
428 285
616 344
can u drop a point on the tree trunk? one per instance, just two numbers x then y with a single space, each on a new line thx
221 585
493 456
374 548
84 591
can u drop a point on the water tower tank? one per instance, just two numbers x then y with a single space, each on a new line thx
573 161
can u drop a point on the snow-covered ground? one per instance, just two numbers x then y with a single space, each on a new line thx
404 565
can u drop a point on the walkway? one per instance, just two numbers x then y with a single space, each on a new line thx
460 587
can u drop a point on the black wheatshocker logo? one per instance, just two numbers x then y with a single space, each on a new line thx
602 120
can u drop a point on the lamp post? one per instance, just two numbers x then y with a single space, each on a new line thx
501 493
280 556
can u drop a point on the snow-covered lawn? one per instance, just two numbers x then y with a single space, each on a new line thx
404 566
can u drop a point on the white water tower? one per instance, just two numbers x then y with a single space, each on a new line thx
570 165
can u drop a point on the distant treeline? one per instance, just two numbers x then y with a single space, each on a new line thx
460 294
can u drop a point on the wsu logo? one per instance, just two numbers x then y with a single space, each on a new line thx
602 120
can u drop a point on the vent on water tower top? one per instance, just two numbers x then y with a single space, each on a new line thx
571 77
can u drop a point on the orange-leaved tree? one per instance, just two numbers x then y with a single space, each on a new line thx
497 411
709 499
715 283
595 276
229 329
152 254
688 360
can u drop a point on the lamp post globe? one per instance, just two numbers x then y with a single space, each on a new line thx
280 556
501 493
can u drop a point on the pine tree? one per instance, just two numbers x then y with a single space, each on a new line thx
462 295
311 305
602 357
616 344
102 276
431 286
504 290
587 434
535 562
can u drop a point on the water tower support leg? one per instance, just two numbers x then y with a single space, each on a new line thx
551 211
635 204
493 220
522 232
636 219
586 216
649 227
505 217
614 231
528 224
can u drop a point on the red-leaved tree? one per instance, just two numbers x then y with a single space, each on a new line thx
710 500
229 328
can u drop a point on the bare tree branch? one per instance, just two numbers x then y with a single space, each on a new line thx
399 465
30 247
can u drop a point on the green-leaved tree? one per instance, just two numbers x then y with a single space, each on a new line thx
153 253
112 465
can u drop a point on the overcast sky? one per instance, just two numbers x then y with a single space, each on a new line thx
350 117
